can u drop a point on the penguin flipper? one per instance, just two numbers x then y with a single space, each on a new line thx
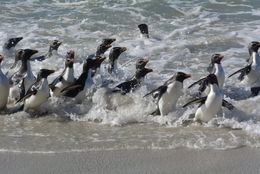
28 94
157 92
244 71
227 105
197 82
197 100
69 88
54 82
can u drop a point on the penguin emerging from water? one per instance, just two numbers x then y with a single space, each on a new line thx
215 68
23 78
8 47
144 30
210 105
4 87
141 63
79 88
54 46
113 56
168 94
104 46
135 82
66 78
252 71
38 93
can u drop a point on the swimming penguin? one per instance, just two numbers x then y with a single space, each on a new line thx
113 56
54 46
8 47
79 88
141 63
168 94
4 87
144 30
132 84
23 78
104 46
210 105
38 93
215 68
252 71
66 78
97 66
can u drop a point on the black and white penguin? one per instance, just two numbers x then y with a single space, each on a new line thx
9 45
144 30
113 56
210 105
23 78
132 84
215 68
96 68
141 63
168 94
4 87
80 87
251 73
104 46
66 78
54 46
38 93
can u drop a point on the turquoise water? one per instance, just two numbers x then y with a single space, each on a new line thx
184 35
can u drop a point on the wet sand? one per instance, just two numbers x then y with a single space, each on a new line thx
243 160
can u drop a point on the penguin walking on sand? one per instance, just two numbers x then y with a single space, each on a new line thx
251 73
168 94
113 57
66 78
215 68
53 49
4 87
38 93
21 80
211 104
9 46
80 87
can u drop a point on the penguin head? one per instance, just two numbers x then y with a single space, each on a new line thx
24 54
180 76
44 73
212 79
98 60
253 47
102 49
115 52
89 64
55 45
216 58
12 42
141 73
144 29
140 64
1 58
70 59
108 41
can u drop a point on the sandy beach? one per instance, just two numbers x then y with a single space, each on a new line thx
243 160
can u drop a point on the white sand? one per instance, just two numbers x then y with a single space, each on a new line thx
243 160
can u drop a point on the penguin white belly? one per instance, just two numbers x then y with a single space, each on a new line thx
4 92
168 100
36 100
15 92
211 107
254 75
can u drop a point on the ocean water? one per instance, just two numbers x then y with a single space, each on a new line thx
184 35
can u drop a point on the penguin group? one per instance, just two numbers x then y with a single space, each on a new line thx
30 91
